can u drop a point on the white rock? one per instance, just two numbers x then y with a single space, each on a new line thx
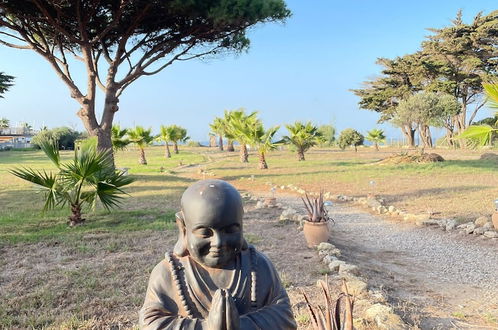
479 231
356 287
334 265
491 234
488 226
325 246
260 205
470 228
349 269
328 259
384 317
450 224
481 221
391 209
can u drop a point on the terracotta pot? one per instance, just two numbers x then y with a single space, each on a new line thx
316 232
494 218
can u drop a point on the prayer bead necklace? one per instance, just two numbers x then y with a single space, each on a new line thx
177 279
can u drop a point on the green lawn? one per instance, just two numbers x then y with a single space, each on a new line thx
151 204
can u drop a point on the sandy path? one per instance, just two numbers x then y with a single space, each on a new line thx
436 279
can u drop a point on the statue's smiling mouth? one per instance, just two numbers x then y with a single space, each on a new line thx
216 252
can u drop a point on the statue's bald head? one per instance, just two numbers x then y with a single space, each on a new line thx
214 199
212 214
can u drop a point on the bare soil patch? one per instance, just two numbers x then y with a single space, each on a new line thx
99 281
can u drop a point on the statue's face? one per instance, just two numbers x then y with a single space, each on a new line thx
213 223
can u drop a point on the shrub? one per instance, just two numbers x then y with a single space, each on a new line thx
350 137
64 135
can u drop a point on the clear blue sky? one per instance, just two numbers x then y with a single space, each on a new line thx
300 70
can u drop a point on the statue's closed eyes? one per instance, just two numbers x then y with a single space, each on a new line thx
213 279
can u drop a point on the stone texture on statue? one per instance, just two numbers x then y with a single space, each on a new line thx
213 279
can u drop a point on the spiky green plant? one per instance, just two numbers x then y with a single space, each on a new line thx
376 136
141 137
118 138
88 178
302 137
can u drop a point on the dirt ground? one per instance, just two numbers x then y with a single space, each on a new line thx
99 282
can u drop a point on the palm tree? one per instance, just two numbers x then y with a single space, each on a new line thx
238 124
4 123
119 141
89 177
260 139
376 136
218 128
481 135
5 82
142 138
228 133
303 137
179 135
166 134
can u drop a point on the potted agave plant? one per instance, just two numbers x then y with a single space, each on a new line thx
316 227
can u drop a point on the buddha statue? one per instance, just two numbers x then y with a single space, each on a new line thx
213 279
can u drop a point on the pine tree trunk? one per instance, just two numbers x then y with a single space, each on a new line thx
230 147
168 152
176 147
75 217
142 160
244 155
355 148
300 155
449 137
376 146
410 134
221 143
262 162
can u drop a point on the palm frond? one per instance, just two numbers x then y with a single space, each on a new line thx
478 135
51 149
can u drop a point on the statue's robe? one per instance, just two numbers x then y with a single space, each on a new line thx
163 307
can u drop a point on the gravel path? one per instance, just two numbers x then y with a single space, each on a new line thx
437 279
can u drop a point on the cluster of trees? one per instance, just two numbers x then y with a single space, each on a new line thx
141 137
440 85
116 42
248 130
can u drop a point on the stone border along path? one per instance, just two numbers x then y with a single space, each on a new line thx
371 306
437 279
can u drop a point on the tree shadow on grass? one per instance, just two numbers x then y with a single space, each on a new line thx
431 192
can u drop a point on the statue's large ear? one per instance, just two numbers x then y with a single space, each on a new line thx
180 248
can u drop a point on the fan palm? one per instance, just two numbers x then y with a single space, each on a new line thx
260 139
118 138
238 123
218 127
141 137
179 135
481 135
376 136
89 177
303 137
166 134
229 134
